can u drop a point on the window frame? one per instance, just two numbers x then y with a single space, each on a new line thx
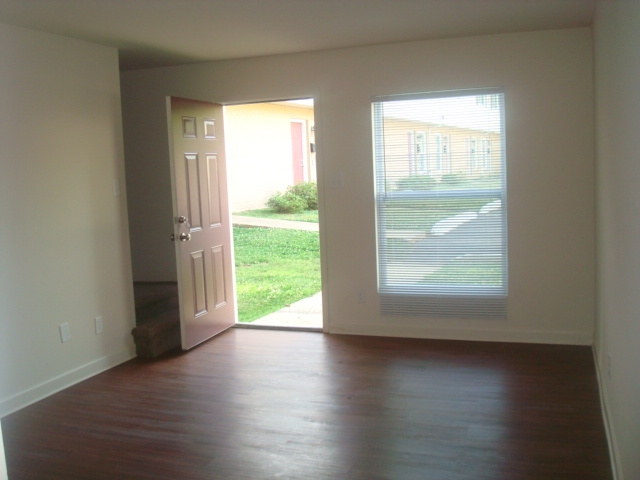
462 301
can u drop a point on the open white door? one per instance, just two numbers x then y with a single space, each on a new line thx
3 462
202 221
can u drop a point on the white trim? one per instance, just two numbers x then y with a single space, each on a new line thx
438 94
481 335
616 464
54 385
3 461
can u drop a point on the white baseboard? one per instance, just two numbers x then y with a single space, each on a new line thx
616 465
483 335
34 394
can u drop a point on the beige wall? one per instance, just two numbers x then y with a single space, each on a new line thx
64 250
258 148
457 161
617 74
547 79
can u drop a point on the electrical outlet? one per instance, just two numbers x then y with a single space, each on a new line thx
65 332
98 324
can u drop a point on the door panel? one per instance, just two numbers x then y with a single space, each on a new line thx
220 293
213 175
203 240
192 184
199 283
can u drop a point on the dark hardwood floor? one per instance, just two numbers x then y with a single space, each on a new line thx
254 404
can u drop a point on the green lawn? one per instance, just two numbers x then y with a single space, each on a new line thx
470 270
304 216
424 214
274 268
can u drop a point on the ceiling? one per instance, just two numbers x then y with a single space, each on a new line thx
152 33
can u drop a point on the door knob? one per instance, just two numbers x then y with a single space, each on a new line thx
184 221
172 237
185 237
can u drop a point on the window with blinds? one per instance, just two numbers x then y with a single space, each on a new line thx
441 203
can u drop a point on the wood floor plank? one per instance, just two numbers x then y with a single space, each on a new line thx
260 404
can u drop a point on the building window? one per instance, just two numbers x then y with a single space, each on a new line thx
437 140
486 154
446 153
421 152
488 101
472 154
442 242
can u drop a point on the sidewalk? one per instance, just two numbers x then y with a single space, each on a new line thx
304 313
273 223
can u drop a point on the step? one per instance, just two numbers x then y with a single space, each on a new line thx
157 335
153 296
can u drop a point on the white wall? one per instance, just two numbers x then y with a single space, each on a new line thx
617 74
547 78
64 254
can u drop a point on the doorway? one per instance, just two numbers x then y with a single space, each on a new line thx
271 153
158 326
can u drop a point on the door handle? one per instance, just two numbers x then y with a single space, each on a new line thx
182 220
185 237
172 237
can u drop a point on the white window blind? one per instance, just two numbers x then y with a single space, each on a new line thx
442 243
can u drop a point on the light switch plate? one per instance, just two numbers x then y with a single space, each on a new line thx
65 332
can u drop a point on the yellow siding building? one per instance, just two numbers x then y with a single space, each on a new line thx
269 147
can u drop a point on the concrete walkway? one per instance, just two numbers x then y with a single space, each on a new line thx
273 223
305 313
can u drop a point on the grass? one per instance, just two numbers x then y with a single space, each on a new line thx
424 214
459 181
304 216
274 268
469 270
